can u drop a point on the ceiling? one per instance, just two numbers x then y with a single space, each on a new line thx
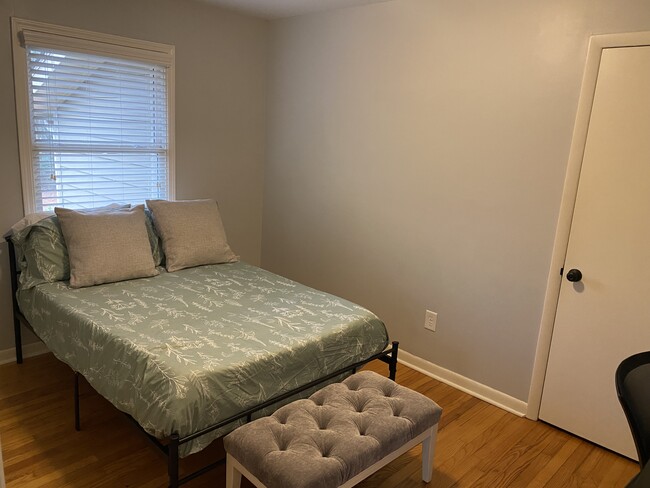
275 9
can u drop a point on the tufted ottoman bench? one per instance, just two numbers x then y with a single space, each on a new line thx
337 437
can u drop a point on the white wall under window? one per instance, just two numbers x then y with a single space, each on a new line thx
95 116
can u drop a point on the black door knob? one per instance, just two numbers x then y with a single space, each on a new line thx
574 275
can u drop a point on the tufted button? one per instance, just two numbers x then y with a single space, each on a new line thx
351 386
358 404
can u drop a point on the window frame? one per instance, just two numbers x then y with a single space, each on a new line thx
74 39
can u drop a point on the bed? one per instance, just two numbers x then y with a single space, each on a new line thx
189 355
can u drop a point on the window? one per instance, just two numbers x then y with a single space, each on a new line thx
95 115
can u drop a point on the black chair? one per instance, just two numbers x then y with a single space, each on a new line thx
633 389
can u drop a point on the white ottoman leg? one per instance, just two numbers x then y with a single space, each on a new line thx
233 476
428 449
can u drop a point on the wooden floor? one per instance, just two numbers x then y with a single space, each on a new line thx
478 445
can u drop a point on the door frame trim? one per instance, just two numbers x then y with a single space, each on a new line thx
587 91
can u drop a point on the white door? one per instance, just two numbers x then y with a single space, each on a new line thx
605 317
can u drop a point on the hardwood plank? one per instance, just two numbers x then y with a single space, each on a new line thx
479 445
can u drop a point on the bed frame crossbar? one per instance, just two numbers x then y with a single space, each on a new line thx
170 448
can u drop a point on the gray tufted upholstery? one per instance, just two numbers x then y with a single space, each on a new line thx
342 429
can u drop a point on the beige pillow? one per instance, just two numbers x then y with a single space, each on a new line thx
192 233
106 246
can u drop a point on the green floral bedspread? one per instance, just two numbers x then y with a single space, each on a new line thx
182 351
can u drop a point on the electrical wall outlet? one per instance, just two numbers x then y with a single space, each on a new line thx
430 320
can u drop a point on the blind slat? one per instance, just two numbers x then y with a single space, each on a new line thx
45 61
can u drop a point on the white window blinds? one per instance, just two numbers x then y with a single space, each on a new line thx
99 126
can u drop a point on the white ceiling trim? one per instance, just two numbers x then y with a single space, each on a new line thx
276 9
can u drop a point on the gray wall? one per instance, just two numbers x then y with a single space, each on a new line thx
416 157
220 107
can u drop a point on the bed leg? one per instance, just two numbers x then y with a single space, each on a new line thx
13 272
392 366
18 341
172 461
77 416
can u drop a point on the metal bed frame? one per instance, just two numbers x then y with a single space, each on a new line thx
170 448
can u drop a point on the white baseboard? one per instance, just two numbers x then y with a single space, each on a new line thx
29 350
474 388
